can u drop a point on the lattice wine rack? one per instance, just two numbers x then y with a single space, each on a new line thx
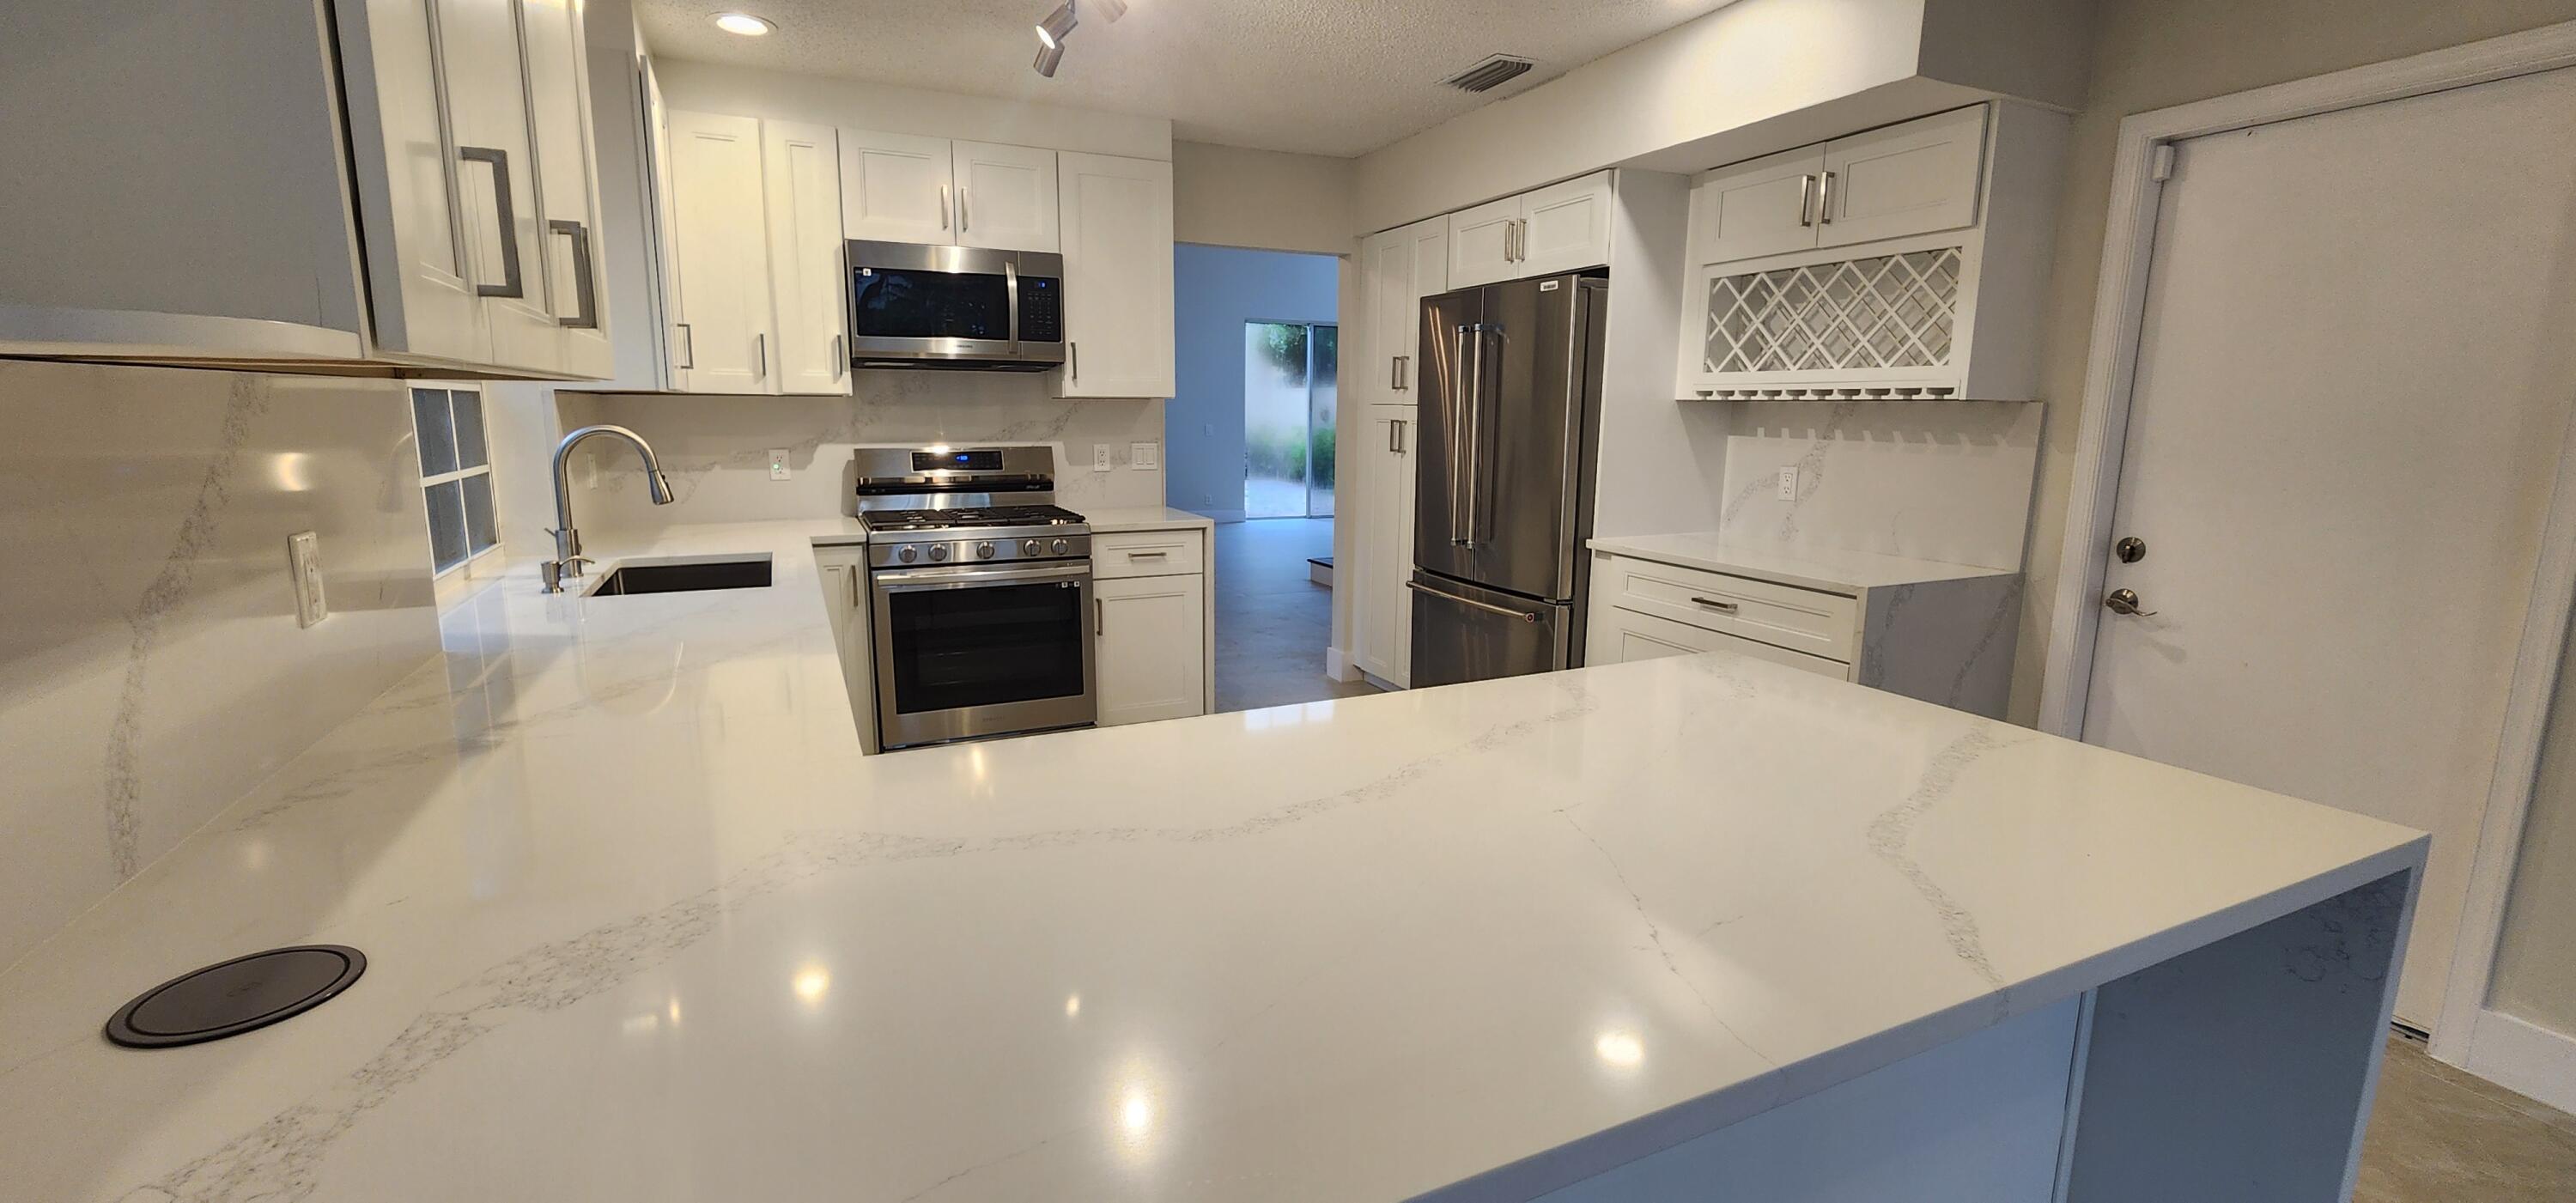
1892 311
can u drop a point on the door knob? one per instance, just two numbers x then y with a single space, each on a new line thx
2125 601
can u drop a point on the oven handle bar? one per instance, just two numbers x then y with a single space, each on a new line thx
973 576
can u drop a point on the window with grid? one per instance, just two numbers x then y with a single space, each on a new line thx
455 476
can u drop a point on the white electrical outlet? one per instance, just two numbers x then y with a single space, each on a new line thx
1100 457
1789 483
778 463
304 564
1145 457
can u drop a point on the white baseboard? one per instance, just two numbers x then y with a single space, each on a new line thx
2525 1058
1338 667
1220 515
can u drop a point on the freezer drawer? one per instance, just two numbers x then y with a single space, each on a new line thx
1462 632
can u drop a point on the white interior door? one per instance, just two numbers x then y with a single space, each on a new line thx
2353 377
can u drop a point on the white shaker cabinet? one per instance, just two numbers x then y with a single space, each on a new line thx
1764 207
721 315
294 187
801 176
897 188
1117 247
1382 546
1905 179
1397 269
1006 196
1559 228
1151 626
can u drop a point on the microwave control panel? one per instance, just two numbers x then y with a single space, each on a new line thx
1041 309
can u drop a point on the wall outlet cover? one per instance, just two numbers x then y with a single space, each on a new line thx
304 566
1100 457
1145 457
1789 483
778 463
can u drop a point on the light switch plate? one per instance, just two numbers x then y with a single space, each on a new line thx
1100 457
778 463
1789 483
1145 457
304 565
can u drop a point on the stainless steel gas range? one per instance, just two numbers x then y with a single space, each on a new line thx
979 590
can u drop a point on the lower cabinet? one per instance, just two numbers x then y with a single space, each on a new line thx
845 598
1149 646
1947 641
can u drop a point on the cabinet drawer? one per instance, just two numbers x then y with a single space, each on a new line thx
1801 620
1147 553
1631 636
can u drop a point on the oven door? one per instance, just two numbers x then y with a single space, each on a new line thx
968 650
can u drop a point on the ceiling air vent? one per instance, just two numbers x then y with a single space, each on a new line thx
1489 74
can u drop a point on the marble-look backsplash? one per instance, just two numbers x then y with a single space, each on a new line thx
151 669
716 449
1934 480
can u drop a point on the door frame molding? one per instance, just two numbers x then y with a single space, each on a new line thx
2119 308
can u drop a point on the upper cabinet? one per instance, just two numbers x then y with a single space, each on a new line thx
908 188
401 186
1901 262
1117 238
753 289
1397 269
1560 228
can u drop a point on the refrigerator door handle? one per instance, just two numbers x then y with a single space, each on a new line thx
1462 444
1470 512
1471 603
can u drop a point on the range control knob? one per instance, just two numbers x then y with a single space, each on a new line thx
908 554
1032 547
983 551
938 551
1057 547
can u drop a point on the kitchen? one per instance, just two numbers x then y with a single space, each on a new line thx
579 742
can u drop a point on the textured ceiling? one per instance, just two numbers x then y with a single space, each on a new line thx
1319 76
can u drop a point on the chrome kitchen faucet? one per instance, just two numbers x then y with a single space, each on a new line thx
568 558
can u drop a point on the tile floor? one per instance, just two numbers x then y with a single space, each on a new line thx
1272 623
2438 1135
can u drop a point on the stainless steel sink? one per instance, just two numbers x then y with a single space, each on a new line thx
683 576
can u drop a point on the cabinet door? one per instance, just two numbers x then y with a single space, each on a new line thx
895 188
665 237
567 185
1906 179
418 284
802 182
845 599
487 105
1382 547
1764 207
1150 648
1006 197
723 251
1117 235
1565 227
1415 264
1481 242
1385 296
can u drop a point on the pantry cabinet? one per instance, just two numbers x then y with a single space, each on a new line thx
1381 558
399 187
1117 246
1902 262
1560 228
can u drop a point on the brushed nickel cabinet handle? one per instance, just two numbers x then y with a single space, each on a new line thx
688 344
943 206
1806 200
585 292
1825 201
1722 607
1099 617
504 214
965 216
760 356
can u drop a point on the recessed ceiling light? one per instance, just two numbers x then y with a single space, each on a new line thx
745 24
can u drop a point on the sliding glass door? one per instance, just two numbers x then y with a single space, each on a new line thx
1289 397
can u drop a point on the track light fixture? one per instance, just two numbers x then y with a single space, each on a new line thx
1059 25
1048 57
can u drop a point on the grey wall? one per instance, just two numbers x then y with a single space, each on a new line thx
1215 291
151 670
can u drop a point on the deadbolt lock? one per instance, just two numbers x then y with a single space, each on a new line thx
2130 549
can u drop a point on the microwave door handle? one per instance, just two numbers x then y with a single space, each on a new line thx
1010 294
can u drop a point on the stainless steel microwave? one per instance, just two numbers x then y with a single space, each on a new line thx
963 307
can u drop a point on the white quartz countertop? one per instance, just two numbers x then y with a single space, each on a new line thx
644 924
1825 568
1144 517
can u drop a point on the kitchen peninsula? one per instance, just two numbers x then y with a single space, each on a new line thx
643 923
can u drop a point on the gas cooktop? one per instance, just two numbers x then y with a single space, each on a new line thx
969 518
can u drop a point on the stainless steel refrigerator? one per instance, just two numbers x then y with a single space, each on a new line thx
1510 429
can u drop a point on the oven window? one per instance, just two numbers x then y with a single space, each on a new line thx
903 303
986 646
